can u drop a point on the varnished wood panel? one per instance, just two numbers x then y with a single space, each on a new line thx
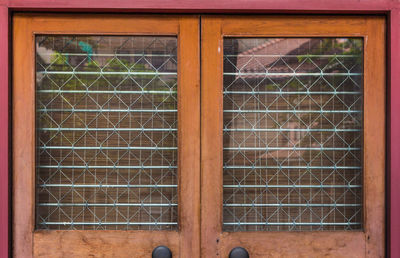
121 24
111 243
27 241
301 26
189 137
374 137
370 242
23 139
211 136
295 244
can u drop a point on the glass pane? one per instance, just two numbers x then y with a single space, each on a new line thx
106 132
293 134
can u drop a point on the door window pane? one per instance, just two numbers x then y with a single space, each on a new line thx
106 109
292 134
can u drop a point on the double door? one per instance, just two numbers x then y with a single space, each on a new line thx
211 136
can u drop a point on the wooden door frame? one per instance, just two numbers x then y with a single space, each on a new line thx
369 242
29 242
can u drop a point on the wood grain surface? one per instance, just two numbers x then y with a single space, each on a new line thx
371 242
27 241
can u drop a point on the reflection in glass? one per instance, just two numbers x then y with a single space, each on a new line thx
292 134
106 132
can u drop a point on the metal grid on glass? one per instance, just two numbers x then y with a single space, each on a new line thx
106 123
292 134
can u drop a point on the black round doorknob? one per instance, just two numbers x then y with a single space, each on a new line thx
161 252
239 252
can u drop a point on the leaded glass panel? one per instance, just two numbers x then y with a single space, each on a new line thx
106 110
292 134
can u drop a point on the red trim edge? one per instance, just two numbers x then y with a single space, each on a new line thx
393 138
390 7
4 137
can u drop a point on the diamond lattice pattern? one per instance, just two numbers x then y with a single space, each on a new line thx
292 134
106 132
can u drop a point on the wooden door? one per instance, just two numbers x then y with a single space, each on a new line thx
106 135
293 136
